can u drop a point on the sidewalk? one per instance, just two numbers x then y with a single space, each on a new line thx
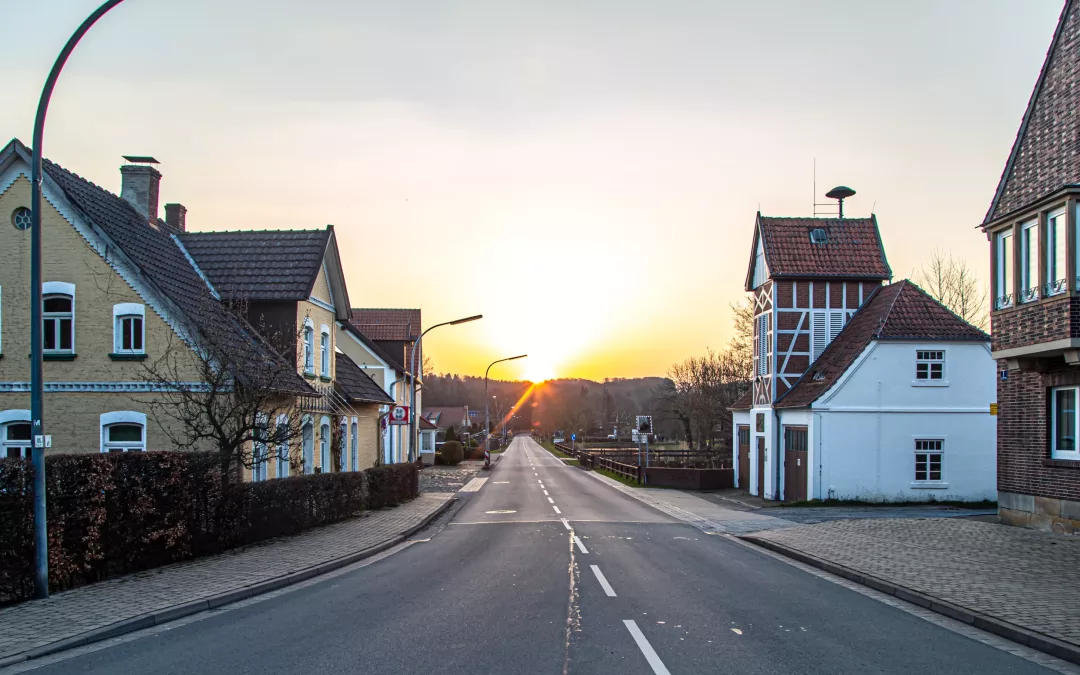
133 602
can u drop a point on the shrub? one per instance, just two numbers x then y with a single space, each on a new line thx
452 453
473 443
451 435
115 513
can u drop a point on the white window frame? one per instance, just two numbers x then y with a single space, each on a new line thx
1056 253
307 443
11 417
1004 280
825 326
928 482
1055 452
354 443
324 444
1029 278
260 452
309 347
121 312
324 347
283 468
929 381
109 419
57 288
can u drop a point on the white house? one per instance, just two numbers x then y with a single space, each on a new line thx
893 402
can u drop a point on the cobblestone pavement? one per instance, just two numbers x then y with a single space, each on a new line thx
64 615
448 478
809 514
1030 579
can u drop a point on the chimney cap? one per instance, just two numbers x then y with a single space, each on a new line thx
141 159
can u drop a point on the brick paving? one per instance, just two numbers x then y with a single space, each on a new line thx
1027 578
65 615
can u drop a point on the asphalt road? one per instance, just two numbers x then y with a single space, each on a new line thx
508 587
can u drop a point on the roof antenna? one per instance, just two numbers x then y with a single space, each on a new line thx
840 193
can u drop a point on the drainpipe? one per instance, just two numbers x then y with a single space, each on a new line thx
777 454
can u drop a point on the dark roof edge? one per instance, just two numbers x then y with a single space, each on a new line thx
372 345
1058 31
881 245
753 252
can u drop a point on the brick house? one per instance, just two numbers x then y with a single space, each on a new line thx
860 390
1035 317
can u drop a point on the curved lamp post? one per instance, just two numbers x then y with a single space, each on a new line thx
487 421
412 378
37 384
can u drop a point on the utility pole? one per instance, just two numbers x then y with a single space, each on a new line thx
487 418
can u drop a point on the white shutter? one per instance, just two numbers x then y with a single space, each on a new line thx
819 333
763 344
836 324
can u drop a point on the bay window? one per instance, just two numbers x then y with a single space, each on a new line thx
1056 247
1029 261
1003 275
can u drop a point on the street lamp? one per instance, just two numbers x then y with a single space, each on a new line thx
487 422
37 382
412 376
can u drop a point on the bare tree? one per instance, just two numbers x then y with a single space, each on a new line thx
704 389
953 283
229 388
742 341
427 368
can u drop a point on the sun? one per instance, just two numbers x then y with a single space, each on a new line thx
538 370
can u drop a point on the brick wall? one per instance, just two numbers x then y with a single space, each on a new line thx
1036 323
1023 449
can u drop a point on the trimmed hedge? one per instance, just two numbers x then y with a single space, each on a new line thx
112 514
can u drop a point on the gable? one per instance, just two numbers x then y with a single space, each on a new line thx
320 290
759 268
1043 157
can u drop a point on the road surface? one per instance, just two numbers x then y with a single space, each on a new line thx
545 569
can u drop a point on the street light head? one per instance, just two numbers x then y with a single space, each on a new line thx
517 357
467 319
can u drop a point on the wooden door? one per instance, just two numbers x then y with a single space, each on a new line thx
761 466
744 457
795 456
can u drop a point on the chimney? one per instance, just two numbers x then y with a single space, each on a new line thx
139 185
176 216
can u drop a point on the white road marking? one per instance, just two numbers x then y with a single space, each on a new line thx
565 523
603 582
646 648
550 500
545 493
474 485
556 509
581 546
506 482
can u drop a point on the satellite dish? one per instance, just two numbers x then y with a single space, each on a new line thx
840 193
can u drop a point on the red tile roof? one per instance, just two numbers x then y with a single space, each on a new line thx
852 248
387 324
744 402
900 311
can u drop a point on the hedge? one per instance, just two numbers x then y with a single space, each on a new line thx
112 514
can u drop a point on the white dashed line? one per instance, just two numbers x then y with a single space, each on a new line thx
565 523
545 493
556 509
603 582
646 648
581 546
550 500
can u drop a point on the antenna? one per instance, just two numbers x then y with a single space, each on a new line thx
825 209
840 193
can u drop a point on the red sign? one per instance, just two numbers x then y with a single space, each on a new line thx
399 414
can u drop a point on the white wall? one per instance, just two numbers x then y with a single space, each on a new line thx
864 445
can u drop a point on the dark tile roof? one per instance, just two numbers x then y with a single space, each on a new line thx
373 346
444 416
744 402
356 385
852 248
387 324
900 311
426 425
254 265
1044 157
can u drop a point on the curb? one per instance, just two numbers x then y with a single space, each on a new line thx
187 609
1023 636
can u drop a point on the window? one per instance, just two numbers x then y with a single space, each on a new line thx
324 445
825 325
343 446
128 333
308 441
58 322
283 446
928 456
123 431
324 355
818 236
1063 423
796 438
309 349
1029 261
744 435
929 365
763 345
354 446
260 455
15 438
1055 254
1 329
1003 276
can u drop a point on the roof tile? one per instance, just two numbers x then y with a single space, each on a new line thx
852 248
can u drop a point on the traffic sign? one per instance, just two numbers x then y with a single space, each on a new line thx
399 414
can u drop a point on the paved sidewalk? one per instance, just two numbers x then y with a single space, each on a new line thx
165 593
1019 577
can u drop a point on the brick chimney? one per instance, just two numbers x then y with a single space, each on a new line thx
176 216
140 184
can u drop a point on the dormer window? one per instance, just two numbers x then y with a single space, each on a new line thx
818 236
1029 261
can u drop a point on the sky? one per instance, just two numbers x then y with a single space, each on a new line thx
584 174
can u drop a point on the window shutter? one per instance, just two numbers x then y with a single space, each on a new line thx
836 324
763 344
819 333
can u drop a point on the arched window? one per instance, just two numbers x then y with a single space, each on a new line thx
58 322
123 431
260 455
324 356
309 348
343 446
283 446
354 449
128 328
324 444
15 434
308 441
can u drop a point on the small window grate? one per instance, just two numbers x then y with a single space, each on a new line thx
818 236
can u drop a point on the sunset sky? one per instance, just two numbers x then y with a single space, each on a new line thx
585 174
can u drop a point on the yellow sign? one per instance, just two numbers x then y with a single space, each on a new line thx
993 408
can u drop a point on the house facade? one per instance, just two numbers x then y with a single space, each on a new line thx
1035 318
862 390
